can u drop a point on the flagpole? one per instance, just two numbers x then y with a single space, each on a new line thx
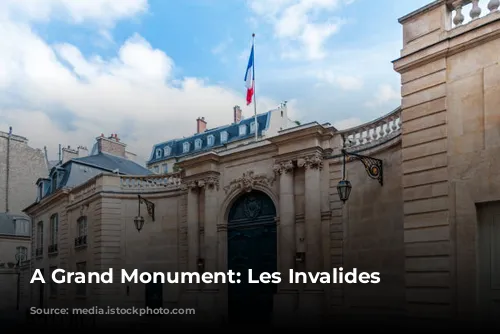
254 95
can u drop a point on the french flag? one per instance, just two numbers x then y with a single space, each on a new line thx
250 78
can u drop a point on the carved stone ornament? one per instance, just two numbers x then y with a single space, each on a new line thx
311 162
248 182
283 167
211 183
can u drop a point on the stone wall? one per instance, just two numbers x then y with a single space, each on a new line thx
450 145
26 165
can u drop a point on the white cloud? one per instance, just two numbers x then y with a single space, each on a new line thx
104 12
297 21
345 82
347 123
385 93
133 94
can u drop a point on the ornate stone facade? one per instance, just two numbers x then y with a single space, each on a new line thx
439 154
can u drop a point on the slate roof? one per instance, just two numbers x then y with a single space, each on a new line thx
7 223
79 170
232 130
112 162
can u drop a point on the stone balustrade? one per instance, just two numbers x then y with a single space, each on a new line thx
375 132
464 11
150 182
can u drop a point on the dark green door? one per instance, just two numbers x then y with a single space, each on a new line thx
252 245
154 295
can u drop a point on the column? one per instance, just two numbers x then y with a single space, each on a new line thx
287 221
193 227
313 165
211 211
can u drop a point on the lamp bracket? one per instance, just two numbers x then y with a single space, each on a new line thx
149 205
373 166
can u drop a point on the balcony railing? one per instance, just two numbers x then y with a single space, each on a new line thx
475 8
150 182
53 249
373 133
39 252
81 241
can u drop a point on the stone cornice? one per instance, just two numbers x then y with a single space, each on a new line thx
199 160
248 153
452 42
313 131
47 203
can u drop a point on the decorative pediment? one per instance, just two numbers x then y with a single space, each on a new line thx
248 182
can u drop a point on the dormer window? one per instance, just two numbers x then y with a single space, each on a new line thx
158 153
54 182
210 140
40 191
197 144
223 136
166 151
185 147
243 130
252 127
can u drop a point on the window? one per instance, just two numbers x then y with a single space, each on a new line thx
53 286
156 169
252 127
158 153
197 144
166 151
82 226
185 147
81 232
54 228
243 130
40 191
210 140
164 168
223 136
39 235
22 227
21 253
81 288
54 182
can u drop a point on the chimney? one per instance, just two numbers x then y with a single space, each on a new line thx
83 151
201 125
68 153
111 145
237 114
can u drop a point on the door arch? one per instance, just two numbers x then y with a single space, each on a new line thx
252 244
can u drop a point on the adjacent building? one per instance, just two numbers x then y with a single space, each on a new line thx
239 133
20 166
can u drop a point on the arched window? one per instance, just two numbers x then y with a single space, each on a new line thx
210 140
185 147
166 151
197 144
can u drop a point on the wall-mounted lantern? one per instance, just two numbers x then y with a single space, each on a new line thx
139 220
373 167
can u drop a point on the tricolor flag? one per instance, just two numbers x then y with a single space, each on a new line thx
250 78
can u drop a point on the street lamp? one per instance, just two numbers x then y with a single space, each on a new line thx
373 167
139 220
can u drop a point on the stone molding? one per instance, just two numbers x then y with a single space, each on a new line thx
248 181
210 182
283 167
314 161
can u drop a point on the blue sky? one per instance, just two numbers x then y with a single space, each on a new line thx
148 69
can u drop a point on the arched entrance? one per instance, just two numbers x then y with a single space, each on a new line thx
252 244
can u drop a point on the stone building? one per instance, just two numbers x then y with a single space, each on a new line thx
20 166
240 132
424 221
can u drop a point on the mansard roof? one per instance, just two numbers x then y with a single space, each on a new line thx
8 223
233 135
79 170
